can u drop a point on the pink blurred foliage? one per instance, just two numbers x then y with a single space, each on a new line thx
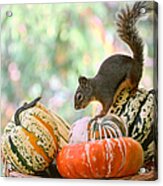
8 110
22 29
14 72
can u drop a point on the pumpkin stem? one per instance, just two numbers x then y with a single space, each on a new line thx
24 107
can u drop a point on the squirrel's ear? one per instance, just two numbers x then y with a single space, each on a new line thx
83 81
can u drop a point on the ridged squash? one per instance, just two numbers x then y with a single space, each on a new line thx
139 112
33 137
107 158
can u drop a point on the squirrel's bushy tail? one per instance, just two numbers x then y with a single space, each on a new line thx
127 19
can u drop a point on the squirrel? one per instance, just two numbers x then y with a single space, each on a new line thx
118 71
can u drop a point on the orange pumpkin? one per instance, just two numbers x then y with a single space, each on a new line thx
114 157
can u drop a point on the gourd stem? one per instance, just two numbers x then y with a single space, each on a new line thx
24 107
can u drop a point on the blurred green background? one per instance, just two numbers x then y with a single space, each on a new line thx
46 47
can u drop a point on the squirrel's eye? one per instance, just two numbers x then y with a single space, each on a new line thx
79 96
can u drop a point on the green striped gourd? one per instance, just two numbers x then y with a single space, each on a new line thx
139 112
32 138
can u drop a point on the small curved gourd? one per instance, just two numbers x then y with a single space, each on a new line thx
86 129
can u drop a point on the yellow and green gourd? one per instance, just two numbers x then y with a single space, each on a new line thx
139 112
33 137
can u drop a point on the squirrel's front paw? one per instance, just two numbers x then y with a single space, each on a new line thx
102 114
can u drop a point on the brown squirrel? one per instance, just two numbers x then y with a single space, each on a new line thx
118 71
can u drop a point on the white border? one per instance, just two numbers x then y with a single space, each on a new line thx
53 182
53 1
